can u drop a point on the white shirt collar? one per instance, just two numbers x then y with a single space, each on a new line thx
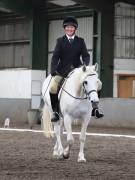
70 37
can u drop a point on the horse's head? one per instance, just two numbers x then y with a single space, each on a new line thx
91 83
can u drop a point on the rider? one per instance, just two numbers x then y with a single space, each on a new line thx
66 57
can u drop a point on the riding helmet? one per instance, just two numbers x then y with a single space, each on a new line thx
70 20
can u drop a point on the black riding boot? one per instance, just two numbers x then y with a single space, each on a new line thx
95 111
54 103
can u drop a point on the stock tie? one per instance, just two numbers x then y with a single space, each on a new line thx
71 40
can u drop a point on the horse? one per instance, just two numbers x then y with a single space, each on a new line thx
80 87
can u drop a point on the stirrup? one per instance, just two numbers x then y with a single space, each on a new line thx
55 117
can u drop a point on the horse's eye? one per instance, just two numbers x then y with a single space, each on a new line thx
85 82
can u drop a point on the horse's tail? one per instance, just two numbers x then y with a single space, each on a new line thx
46 122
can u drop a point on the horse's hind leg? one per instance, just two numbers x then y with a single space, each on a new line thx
81 157
70 139
58 148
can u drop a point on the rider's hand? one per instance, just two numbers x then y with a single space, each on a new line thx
54 73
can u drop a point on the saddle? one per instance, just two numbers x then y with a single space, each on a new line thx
63 80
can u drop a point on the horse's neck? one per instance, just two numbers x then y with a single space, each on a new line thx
73 85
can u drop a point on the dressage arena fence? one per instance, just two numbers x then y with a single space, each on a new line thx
119 112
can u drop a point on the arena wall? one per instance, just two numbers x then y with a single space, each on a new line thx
20 91
15 110
119 112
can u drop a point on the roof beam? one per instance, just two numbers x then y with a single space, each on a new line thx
17 6
126 1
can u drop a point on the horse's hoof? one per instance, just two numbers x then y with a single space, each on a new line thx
55 156
66 156
60 157
82 160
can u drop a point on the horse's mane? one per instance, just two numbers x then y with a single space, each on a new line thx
78 75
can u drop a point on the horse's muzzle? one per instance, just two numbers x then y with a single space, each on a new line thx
93 96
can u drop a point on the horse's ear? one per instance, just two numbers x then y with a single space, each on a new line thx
84 68
96 67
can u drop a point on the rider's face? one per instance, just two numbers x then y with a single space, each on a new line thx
70 30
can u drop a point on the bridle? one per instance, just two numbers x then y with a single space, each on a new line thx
88 93
85 91
91 91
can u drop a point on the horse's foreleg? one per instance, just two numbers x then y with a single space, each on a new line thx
81 157
58 148
70 139
55 150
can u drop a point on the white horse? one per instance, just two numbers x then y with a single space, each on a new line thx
75 96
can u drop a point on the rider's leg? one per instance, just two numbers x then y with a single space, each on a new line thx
54 104
95 110
56 80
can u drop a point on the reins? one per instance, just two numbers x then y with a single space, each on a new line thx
73 96
79 98
47 86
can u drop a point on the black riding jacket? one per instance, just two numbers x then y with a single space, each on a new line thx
67 56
